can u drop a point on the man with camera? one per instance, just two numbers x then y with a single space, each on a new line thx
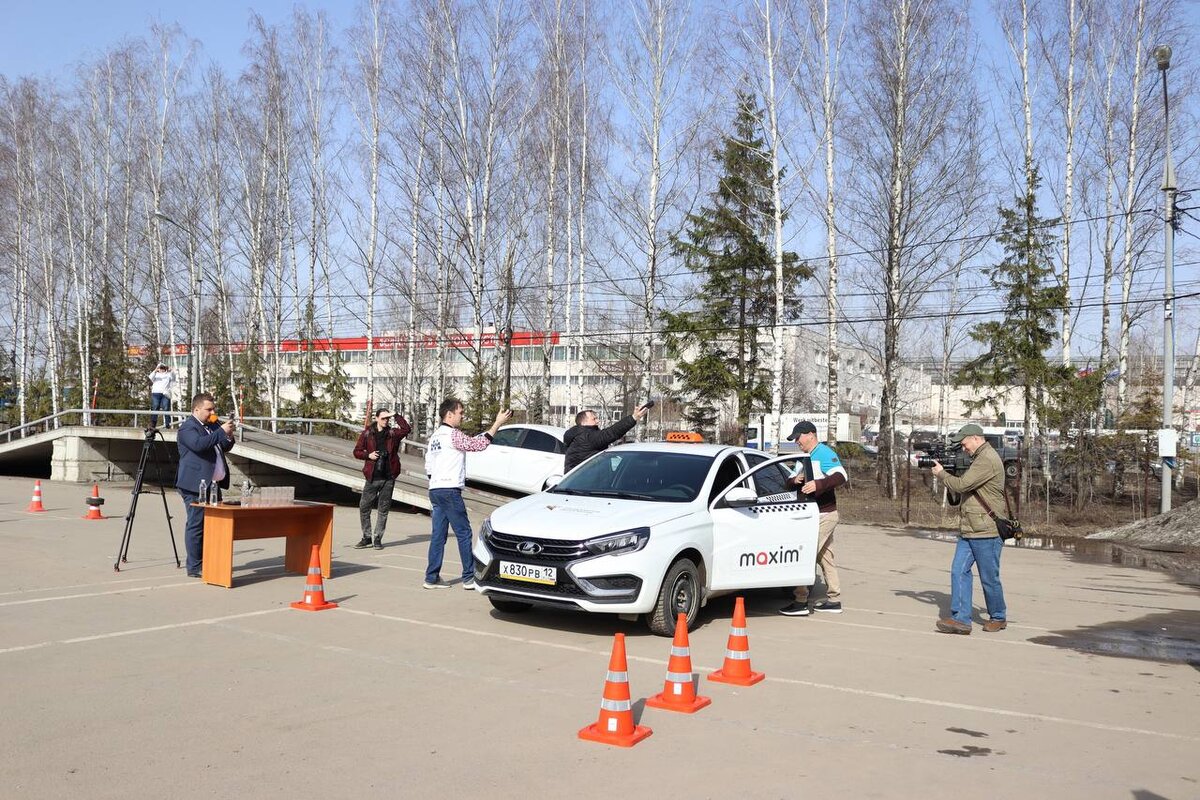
980 487
379 448
446 467
587 437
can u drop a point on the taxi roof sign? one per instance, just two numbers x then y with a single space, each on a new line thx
689 437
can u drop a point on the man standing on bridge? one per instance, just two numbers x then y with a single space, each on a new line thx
379 447
446 466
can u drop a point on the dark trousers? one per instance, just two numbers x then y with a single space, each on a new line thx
193 532
377 495
159 402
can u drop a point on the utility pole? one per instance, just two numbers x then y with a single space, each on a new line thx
1166 436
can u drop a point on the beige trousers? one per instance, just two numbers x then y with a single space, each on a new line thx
825 559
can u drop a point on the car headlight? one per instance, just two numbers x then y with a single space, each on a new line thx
624 542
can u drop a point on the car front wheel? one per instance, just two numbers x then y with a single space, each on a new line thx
680 594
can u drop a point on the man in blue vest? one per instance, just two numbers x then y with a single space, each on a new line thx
828 474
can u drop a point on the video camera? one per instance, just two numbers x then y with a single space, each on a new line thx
953 459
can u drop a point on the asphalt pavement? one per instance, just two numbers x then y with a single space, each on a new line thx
144 683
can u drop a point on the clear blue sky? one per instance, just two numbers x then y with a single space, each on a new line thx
47 38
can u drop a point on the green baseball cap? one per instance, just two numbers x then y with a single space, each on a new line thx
970 429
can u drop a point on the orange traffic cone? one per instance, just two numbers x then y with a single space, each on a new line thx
314 589
736 669
679 693
36 503
93 503
615 725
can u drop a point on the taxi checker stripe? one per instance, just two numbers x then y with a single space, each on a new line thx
614 705
617 677
738 655
681 651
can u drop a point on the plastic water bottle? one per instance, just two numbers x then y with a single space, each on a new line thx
202 495
214 493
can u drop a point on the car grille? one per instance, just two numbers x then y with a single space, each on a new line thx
554 551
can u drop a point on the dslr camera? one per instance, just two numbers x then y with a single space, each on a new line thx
954 459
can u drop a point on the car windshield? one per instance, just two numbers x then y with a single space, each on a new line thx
656 476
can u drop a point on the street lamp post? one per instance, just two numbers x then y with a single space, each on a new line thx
194 345
1166 437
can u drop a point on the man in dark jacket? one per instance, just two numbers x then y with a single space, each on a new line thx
379 448
203 441
586 438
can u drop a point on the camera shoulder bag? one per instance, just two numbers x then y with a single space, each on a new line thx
1007 527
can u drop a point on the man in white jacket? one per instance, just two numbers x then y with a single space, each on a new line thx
446 467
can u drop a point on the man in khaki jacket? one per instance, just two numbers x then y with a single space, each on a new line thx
978 540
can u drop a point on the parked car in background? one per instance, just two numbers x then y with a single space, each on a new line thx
524 458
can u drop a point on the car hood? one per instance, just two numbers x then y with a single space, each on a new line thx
573 518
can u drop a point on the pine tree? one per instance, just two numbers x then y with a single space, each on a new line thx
717 346
1017 345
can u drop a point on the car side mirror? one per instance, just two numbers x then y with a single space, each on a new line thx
553 481
741 498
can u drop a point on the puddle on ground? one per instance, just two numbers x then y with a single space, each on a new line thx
1165 636
1182 565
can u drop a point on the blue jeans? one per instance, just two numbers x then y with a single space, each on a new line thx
985 553
449 511
159 402
193 532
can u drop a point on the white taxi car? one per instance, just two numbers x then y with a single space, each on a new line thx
652 529
524 458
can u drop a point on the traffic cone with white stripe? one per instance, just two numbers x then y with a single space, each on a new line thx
36 503
679 693
615 725
93 503
737 653
314 589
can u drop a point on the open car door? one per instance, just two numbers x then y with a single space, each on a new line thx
764 530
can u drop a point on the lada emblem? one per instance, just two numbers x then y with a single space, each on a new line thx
529 548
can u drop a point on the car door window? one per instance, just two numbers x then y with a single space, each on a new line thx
508 436
729 471
537 440
774 483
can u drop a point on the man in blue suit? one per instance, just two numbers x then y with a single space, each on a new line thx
203 443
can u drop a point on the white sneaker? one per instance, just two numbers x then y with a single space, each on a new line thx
438 584
469 584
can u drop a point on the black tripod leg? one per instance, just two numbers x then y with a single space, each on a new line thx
123 551
162 490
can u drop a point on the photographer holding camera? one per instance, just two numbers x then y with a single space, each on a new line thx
978 540
379 447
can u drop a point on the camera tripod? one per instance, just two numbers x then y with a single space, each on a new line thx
149 452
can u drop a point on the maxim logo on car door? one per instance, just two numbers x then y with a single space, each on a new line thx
765 558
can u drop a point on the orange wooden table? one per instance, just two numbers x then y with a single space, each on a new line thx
303 524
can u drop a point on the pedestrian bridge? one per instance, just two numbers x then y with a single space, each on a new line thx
95 445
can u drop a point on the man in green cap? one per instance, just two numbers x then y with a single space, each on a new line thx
978 540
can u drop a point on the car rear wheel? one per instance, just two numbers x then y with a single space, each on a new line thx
680 594
509 606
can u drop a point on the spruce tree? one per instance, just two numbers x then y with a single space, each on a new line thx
1017 345
717 346
114 382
